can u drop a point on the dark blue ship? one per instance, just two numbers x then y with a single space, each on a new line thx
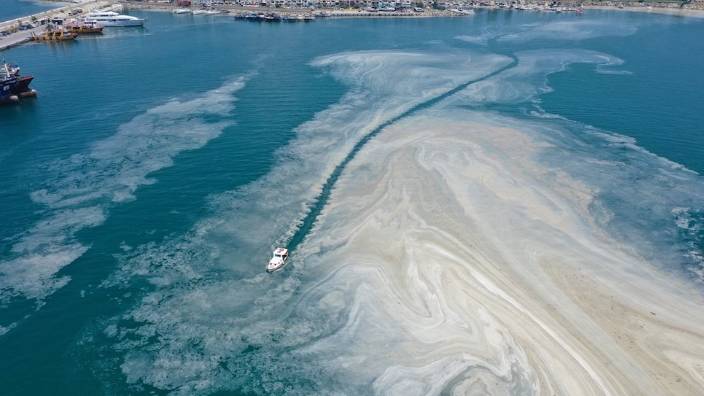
13 87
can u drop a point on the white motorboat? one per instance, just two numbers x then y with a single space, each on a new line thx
461 11
206 12
278 260
182 11
113 19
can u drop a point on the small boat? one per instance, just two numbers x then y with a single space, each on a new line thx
278 260
84 27
247 16
55 35
206 12
297 18
182 11
271 17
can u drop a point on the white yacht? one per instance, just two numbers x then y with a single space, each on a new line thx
278 260
110 18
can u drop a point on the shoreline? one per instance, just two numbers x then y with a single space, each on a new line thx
654 8
681 12
15 36
18 38
233 10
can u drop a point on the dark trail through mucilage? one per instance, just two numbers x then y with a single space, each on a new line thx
321 200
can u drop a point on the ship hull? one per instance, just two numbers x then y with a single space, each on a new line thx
22 85
14 89
118 23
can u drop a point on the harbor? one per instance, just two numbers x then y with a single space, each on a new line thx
21 30
406 8
63 24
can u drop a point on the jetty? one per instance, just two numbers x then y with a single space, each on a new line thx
21 30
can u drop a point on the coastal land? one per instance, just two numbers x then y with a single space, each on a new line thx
20 30
421 8
695 10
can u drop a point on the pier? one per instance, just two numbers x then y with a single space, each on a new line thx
14 34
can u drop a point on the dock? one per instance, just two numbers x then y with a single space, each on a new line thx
16 36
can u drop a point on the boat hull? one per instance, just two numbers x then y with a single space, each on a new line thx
123 23
275 266
12 90
274 269
6 94
22 85
86 30
55 36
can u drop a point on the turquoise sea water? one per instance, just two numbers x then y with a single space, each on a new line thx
146 168
10 9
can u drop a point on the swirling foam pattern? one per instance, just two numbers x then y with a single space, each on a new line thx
461 252
81 189
487 273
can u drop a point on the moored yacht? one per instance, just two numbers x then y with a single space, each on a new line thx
206 12
83 27
110 19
